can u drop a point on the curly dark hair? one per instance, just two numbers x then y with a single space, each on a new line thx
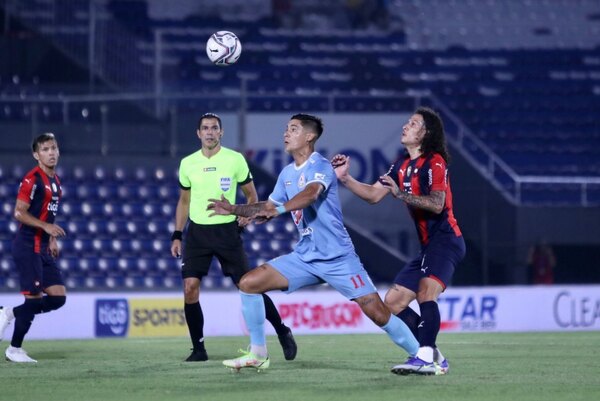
434 140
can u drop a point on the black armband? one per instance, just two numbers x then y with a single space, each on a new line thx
177 235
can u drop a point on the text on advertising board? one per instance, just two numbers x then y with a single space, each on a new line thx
157 317
316 316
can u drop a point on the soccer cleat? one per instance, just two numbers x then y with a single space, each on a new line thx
14 354
442 367
247 360
288 344
415 365
197 355
440 362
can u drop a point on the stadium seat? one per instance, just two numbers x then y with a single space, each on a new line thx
506 85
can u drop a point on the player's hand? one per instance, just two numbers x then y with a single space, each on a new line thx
220 207
176 248
389 183
266 214
53 248
341 165
244 221
54 230
261 219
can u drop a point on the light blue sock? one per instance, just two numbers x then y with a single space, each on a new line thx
253 309
401 335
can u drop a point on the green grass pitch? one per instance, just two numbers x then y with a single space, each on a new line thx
483 366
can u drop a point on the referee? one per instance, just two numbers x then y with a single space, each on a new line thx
210 172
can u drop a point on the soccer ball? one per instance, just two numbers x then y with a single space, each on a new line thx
223 48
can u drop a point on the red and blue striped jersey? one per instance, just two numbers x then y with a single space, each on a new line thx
419 177
42 193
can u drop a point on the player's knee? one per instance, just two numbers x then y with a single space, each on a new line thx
381 316
394 304
191 297
248 285
191 291
429 290
245 285
427 295
375 309
53 302
31 307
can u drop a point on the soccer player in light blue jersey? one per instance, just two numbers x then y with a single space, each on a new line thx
308 189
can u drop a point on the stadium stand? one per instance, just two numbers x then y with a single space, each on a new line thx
510 97
499 71
107 210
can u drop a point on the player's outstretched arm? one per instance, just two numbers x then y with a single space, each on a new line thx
222 207
302 200
434 202
370 193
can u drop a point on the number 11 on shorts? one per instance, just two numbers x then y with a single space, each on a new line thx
357 281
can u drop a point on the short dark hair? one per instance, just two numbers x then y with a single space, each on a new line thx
434 140
210 115
312 123
35 145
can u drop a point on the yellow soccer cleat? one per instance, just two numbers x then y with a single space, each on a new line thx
247 360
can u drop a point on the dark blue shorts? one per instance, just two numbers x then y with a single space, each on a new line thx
37 271
437 260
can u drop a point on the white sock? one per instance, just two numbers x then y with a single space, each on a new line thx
259 350
425 354
439 358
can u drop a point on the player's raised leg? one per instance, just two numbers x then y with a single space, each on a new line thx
253 309
396 329
252 285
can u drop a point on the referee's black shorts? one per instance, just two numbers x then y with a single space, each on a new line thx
223 241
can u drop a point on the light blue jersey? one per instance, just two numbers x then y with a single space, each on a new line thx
322 235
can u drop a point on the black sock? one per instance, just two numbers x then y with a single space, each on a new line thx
411 319
273 316
430 324
52 302
31 306
195 323
24 315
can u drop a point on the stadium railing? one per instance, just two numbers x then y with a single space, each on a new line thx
517 189
100 111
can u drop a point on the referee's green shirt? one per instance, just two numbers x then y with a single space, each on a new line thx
209 178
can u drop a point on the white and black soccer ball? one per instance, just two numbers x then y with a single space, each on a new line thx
223 48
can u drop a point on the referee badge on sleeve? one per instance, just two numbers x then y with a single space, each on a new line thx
225 183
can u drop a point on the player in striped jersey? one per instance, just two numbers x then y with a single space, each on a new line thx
419 179
35 246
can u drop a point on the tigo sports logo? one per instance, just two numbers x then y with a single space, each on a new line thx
112 317
157 317
468 312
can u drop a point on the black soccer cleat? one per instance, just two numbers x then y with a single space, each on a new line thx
197 355
288 344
